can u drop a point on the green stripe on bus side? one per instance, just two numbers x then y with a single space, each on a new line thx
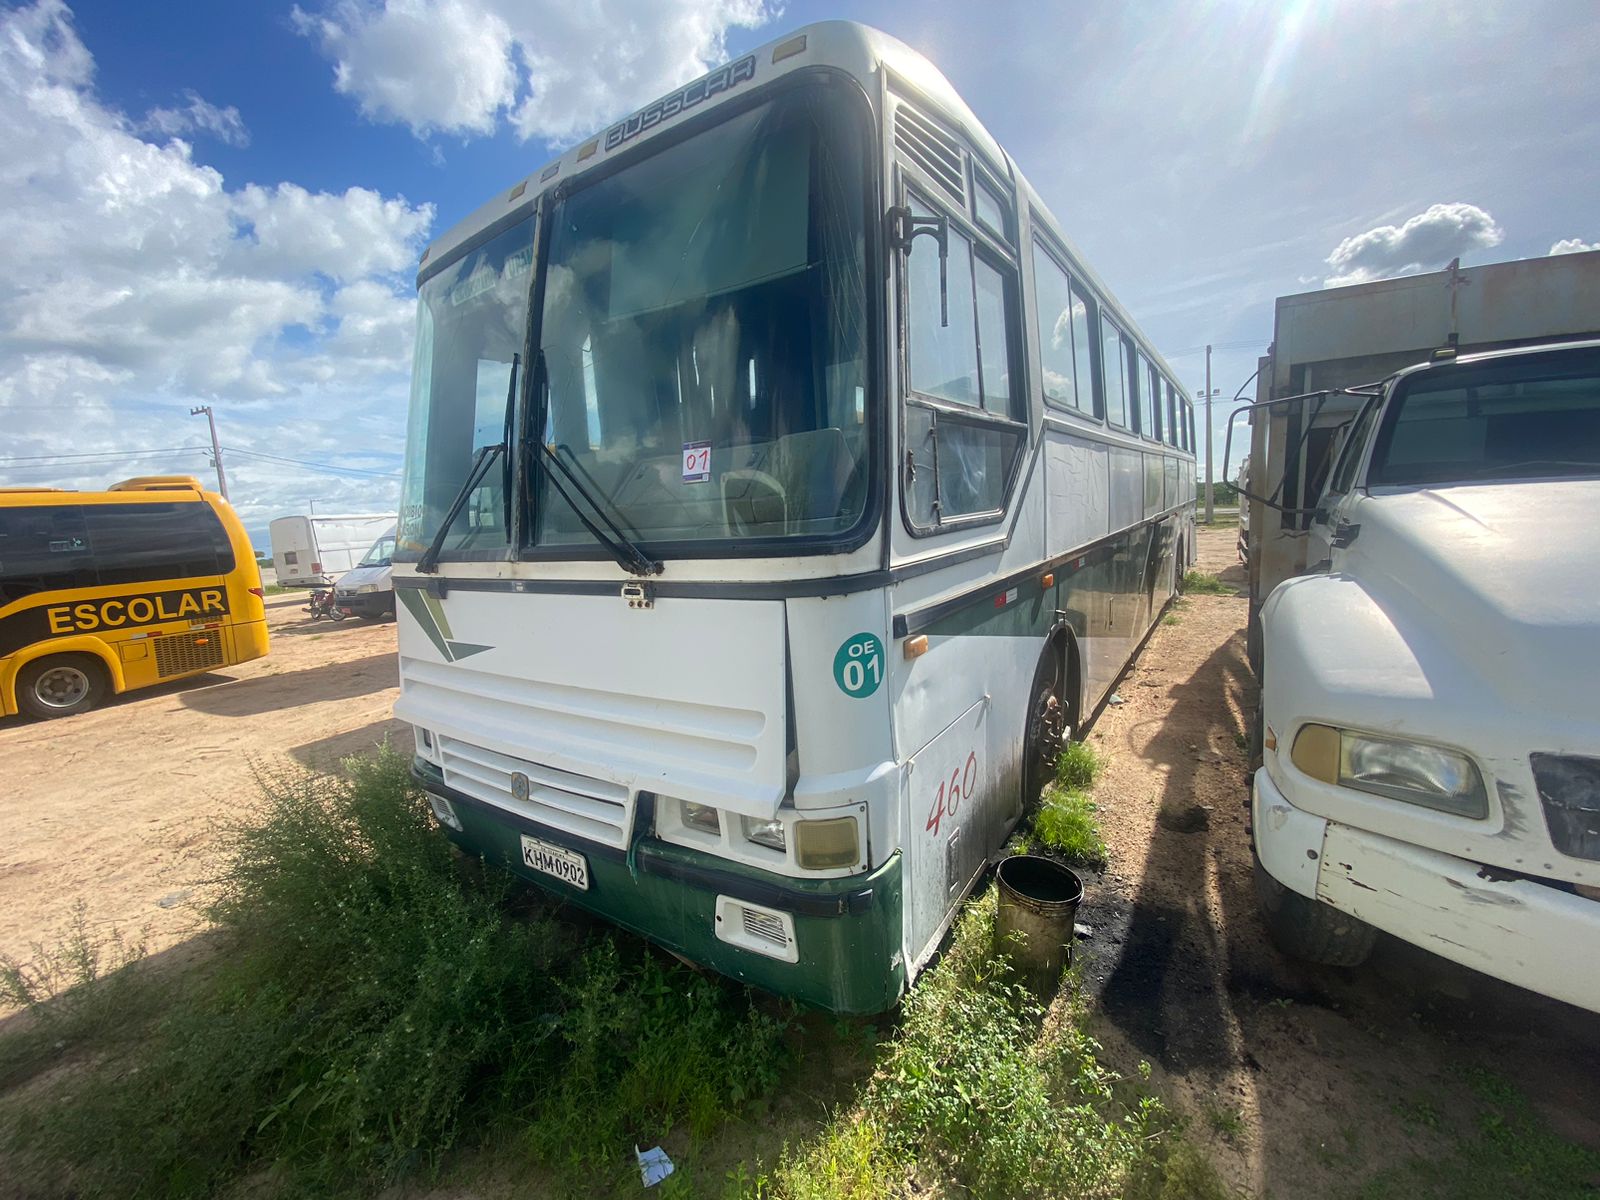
1033 612
416 603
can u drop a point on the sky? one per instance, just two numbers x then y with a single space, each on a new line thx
224 204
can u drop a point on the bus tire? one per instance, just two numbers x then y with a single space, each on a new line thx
1048 727
1309 929
61 685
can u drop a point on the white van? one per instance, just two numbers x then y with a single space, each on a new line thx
368 590
314 551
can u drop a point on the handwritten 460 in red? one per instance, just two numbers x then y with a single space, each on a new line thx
952 792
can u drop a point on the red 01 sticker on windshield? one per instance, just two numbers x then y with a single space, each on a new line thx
697 462
953 792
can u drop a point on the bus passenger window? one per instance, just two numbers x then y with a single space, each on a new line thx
1064 350
944 358
1114 364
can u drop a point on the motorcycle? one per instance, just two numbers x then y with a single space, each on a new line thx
322 606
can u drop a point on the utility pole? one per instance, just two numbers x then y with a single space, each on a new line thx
216 450
1209 497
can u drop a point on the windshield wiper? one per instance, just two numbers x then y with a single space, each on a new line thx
482 459
622 548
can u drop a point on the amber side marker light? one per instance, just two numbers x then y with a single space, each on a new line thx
1048 579
916 647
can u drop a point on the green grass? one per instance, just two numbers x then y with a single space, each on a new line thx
276 589
1495 1147
1065 824
1078 767
986 1093
1199 583
1227 1121
377 1002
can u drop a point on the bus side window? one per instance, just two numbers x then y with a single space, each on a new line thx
1114 370
143 543
962 453
43 548
1063 312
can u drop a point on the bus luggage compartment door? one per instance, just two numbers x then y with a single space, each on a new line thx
946 794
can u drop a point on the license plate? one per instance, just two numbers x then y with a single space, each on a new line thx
567 866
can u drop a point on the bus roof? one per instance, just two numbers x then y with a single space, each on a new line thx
854 48
158 483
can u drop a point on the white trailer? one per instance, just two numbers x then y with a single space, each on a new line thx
313 551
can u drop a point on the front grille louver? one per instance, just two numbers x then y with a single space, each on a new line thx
185 652
931 148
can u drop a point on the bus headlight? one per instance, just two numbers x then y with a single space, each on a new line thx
765 833
1431 776
822 844
702 817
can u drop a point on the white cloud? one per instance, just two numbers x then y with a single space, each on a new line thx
1424 242
197 116
1573 246
138 283
550 69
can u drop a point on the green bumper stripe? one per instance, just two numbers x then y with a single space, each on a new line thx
848 960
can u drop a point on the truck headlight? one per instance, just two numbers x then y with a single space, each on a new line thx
765 833
819 845
1430 776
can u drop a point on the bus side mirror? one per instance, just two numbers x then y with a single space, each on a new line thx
904 228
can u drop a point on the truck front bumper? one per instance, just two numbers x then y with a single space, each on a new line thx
1528 933
846 931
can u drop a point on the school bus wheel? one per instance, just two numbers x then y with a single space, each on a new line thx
61 685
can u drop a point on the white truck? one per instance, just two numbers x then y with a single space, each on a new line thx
1426 631
315 550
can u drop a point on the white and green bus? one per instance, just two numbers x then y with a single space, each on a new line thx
782 488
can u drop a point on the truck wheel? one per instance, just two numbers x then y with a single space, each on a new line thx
61 685
1310 930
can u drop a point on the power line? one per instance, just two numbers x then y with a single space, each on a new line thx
317 466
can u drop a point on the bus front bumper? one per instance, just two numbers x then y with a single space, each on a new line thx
1522 931
846 932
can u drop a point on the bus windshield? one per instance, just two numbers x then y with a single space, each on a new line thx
703 332
701 365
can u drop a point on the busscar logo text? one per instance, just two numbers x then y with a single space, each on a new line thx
120 611
720 80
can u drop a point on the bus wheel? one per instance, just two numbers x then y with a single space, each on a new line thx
61 685
1047 728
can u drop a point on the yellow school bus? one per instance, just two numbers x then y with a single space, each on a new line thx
103 592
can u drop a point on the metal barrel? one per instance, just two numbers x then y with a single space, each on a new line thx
1038 904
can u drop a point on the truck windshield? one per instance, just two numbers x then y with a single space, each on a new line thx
1527 417
704 367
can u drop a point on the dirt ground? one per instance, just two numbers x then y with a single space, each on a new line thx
1299 1080
117 808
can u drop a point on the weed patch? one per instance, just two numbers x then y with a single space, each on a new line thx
1078 767
983 1089
379 1001
1065 823
1199 583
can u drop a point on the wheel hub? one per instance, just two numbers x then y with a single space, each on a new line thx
61 687
1050 725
